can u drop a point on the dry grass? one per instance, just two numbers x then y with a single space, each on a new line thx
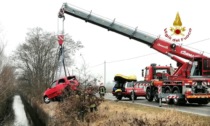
125 114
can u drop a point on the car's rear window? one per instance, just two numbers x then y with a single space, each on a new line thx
61 81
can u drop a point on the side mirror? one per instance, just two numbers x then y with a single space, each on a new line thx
142 72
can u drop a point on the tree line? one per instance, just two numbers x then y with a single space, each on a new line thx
32 66
36 59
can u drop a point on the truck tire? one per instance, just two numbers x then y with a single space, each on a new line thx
183 102
176 101
119 97
169 101
149 95
179 101
203 102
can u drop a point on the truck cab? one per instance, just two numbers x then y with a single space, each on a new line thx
157 72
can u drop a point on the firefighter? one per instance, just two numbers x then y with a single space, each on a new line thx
102 90
92 99
92 102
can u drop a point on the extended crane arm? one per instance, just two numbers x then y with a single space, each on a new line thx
160 45
108 24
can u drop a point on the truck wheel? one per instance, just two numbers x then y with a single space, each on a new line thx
169 101
149 95
203 102
156 98
176 101
182 101
179 101
119 97
190 101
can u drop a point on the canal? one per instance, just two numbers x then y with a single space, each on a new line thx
24 114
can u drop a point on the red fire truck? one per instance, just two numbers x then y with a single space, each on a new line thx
189 83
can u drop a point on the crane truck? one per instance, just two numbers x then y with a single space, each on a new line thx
189 83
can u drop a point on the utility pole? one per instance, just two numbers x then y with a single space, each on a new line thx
84 66
104 73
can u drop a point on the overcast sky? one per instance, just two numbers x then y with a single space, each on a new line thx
151 16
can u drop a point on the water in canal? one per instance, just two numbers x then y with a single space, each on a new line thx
20 118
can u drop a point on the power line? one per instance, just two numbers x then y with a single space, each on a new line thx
131 58
156 52
151 54
123 59
197 42
97 65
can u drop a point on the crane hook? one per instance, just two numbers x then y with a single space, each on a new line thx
61 14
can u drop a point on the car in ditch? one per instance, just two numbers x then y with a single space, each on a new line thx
60 88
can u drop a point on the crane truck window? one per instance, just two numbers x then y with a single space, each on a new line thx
206 64
147 72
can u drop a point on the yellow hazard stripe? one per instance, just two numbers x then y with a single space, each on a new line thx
198 96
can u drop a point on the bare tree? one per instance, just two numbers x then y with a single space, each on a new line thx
7 79
1 56
86 77
2 46
35 58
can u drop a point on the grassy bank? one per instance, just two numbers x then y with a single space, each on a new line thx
124 114
117 113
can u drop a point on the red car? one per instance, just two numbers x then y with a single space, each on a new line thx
57 89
